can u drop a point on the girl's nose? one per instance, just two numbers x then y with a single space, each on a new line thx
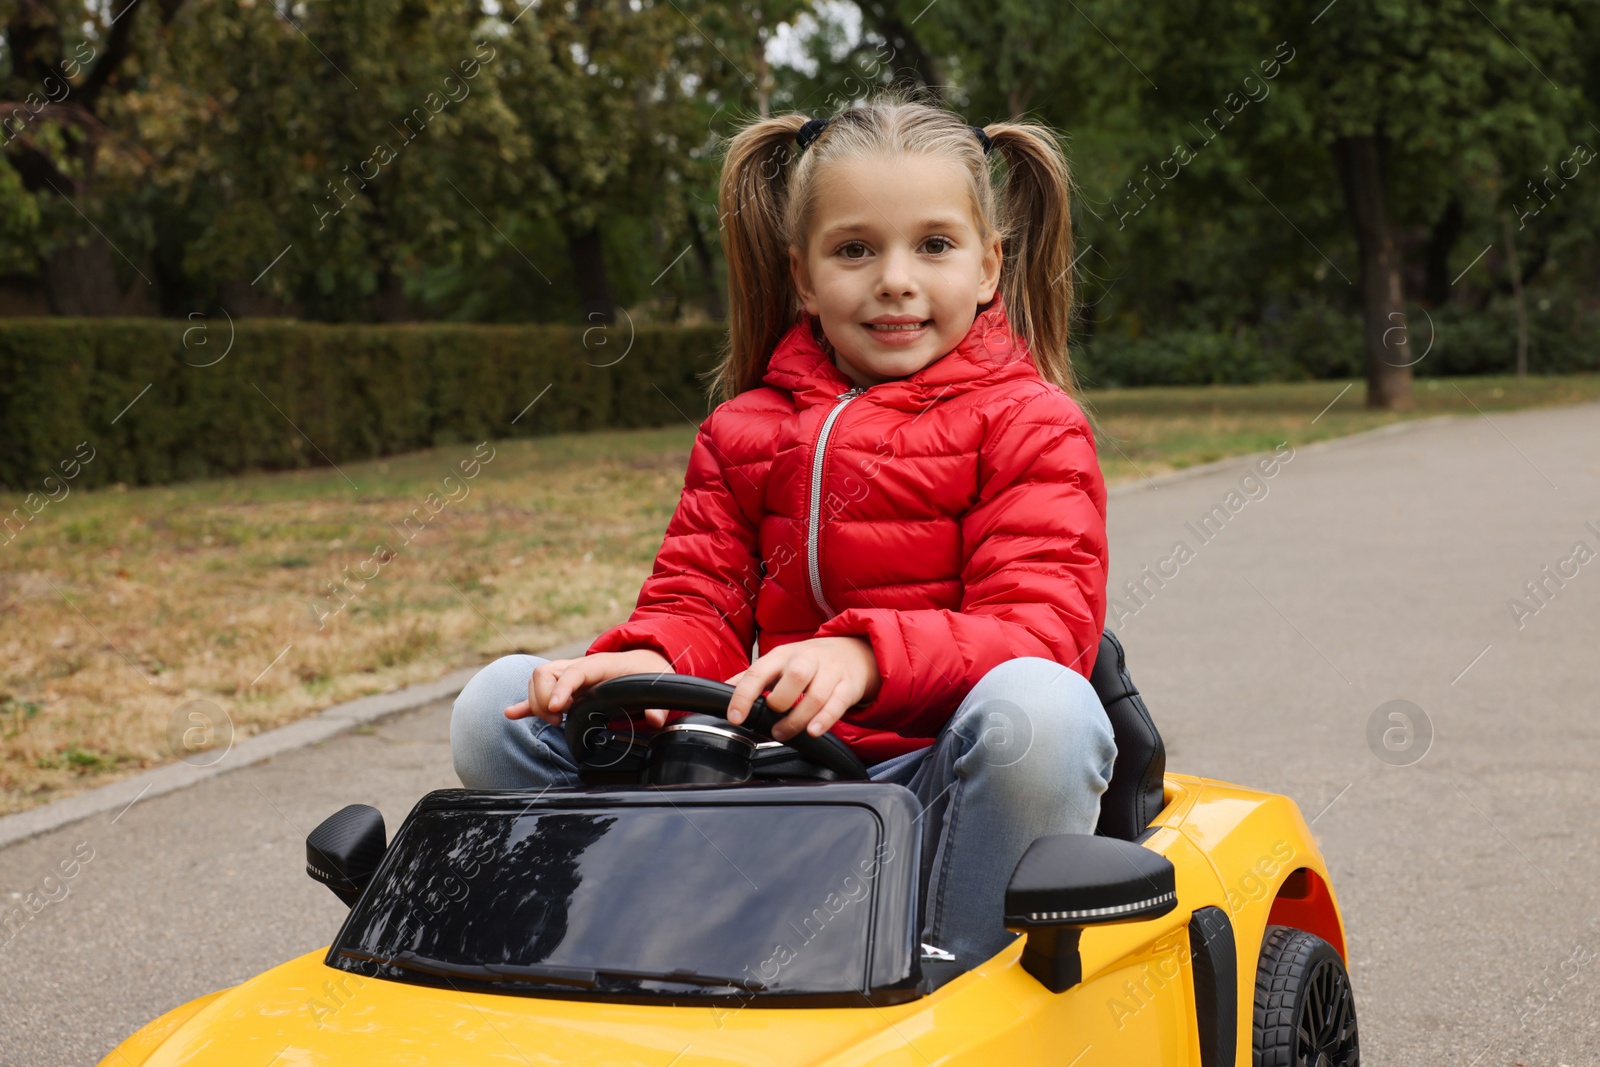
897 277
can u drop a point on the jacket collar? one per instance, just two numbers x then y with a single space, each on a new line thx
989 353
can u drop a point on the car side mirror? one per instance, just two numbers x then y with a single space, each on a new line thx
1066 882
344 850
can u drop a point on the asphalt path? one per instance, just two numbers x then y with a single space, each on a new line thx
1374 570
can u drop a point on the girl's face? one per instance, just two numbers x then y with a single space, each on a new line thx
893 266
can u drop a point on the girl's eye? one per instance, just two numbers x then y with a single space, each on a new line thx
845 249
945 242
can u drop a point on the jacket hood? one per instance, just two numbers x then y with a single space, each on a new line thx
990 352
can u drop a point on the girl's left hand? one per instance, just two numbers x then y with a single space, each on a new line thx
817 682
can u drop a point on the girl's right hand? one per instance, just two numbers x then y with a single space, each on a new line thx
554 684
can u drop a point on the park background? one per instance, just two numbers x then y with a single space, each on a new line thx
270 273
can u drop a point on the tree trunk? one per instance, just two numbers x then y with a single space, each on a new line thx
1441 241
708 270
389 302
912 62
764 80
22 295
1516 290
80 279
589 271
1017 98
1360 161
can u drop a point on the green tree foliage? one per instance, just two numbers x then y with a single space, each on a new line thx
1421 107
69 78
371 159
1242 167
1226 153
1291 151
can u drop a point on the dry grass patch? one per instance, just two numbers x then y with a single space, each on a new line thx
118 607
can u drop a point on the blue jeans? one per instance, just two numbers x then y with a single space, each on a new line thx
1027 753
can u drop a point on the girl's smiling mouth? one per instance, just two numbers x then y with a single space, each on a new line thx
897 329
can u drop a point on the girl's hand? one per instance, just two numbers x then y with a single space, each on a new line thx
817 682
554 684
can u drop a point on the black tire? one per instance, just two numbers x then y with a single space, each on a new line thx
1305 1008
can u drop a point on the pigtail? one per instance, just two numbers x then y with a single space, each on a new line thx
1036 278
750 204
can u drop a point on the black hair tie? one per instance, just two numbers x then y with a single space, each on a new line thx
810 132
811 129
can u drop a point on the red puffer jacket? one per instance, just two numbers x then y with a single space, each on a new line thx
955 519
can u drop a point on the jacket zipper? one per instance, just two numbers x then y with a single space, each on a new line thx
814 514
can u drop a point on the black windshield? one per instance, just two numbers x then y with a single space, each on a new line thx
777 899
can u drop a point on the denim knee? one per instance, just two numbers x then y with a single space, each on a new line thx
483 742
1034 719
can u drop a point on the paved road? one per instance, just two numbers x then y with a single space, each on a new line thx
1375 570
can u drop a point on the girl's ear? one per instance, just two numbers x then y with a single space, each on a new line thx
802 280
992 258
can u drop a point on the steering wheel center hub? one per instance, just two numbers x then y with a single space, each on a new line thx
701 749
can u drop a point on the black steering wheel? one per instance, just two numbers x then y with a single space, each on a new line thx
691 750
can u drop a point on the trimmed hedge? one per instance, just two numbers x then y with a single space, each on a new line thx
356 391
1180 357
1318 342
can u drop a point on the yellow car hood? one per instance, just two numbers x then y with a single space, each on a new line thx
305 1013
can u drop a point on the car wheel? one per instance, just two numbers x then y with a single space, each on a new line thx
1305 1009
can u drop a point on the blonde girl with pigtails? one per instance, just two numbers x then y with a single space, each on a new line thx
896 501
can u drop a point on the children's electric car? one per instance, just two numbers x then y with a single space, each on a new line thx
711 896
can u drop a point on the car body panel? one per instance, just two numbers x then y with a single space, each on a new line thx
1253 842
304 1013
144 1041
1231 848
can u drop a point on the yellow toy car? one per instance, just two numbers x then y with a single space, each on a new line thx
710 896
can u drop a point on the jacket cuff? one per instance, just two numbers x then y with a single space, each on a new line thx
668 638
627 638
896 683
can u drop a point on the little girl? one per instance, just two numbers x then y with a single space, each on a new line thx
897 498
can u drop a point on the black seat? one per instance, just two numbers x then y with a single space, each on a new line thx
1134 796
